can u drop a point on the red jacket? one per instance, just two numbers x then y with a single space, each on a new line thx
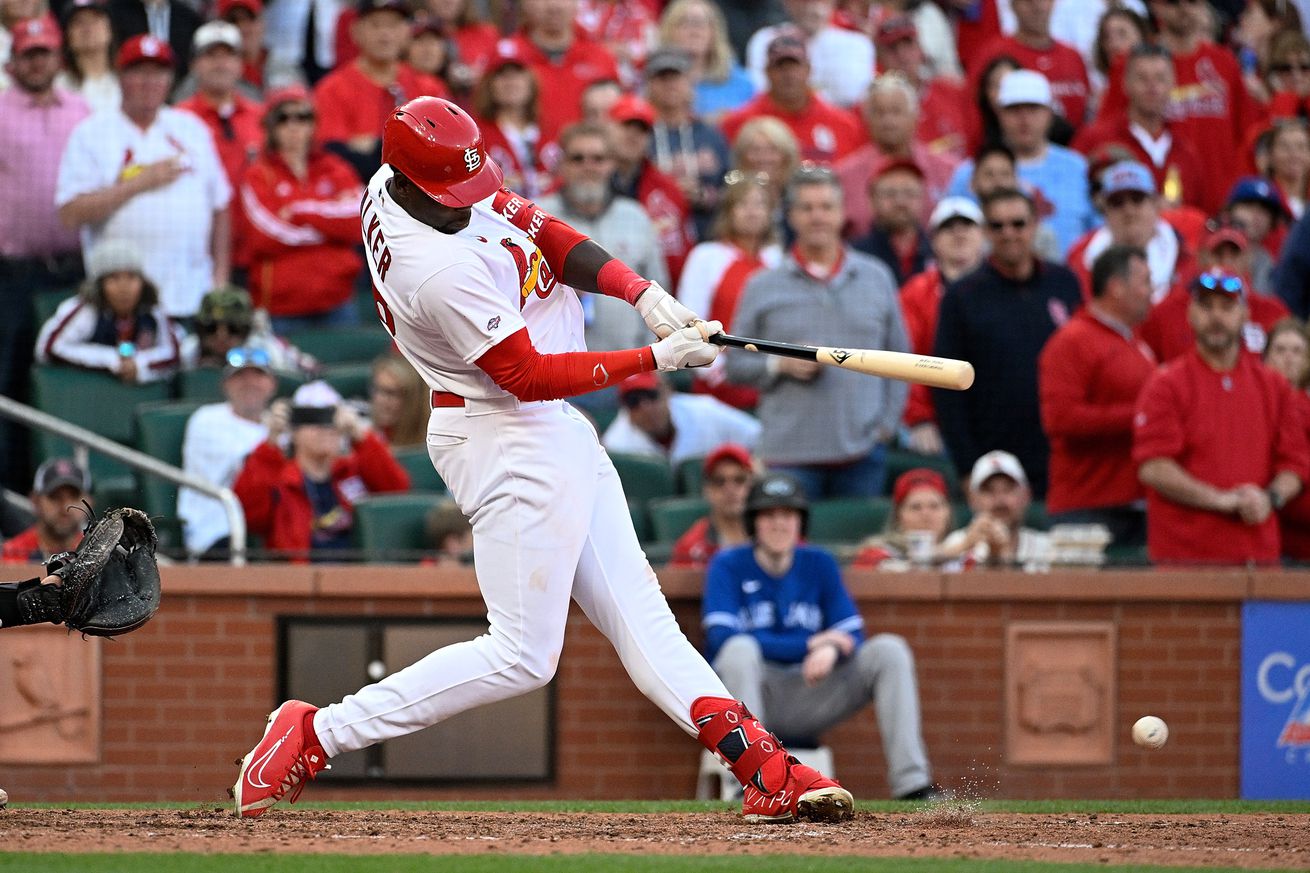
560 83
667 207
921 300
1088 379
1294 518
271 488
350 104
301 233
1181 178
1184 267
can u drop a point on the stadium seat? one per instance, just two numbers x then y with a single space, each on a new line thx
45 304
691 475
422 475
671 516
899 461
351 380
343 345
389 527
848 519
1036 516
160 429
96 401
644 477
640 520
603 418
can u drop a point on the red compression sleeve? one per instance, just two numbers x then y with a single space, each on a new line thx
515 365
555 238
616 279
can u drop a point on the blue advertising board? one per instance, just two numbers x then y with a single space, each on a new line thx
1276 700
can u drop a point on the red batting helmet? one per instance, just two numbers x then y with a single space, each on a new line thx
439 148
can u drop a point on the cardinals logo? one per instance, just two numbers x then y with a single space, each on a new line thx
534 273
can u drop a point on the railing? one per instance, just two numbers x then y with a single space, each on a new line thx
84 438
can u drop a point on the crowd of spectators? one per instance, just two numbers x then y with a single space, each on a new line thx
1100 203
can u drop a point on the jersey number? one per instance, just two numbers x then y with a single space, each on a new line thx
384 312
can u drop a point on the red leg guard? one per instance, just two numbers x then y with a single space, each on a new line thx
754 755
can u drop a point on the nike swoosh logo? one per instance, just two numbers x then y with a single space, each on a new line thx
255 774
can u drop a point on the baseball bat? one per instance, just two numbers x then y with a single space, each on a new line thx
923 369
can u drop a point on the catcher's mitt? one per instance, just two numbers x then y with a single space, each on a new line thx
111 582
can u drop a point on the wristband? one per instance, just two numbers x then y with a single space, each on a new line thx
1276 500
616 279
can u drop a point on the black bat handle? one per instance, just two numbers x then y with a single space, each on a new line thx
789 350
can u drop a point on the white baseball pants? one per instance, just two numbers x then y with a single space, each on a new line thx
550 523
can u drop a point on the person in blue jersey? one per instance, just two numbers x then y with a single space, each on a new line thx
784 635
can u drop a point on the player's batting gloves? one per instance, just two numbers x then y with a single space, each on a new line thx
662 311
687 347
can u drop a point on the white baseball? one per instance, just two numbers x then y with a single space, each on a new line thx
4 798
1150 732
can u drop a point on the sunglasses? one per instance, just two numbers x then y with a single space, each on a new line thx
633 399
1227 284
211 327
1013 224
248 357
720 481
303 117
1121 198
1287 68
587 158
1180 2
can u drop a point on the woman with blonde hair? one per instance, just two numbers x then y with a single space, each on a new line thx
743 240
697 27
765 149
399 402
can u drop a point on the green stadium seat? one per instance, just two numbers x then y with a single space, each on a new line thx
899 461
657 553
422 475
848 519
160 429
1126 556
96 401
45 304
691 475
350 380
644 477
640 520
603 418
343 345
390 527
671 516
1036 516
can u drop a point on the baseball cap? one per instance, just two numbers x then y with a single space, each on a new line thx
728 452
226 7
314 403
1024 88
896 166
247 358
36 33
507 54
894 29
919 477
114 256
142 48
639 382
71 9
58 472
996 463
1127 176
1219 281
1225 233
364 7
630 107
1256 189
954 207
667 60
214 33
787 45
287 94
227 304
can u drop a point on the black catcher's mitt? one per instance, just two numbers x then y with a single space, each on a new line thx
111 582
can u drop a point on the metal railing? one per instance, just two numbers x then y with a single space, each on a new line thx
86 439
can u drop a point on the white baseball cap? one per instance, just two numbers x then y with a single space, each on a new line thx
996 463
954 207
216 33
1024 88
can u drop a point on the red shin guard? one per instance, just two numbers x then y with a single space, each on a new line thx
754 755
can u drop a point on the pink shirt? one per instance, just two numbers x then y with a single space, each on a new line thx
32 138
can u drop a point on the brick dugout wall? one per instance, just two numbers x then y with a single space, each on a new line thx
188 693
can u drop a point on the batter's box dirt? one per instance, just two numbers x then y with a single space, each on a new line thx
1249 841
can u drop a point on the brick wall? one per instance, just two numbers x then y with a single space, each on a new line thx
187 694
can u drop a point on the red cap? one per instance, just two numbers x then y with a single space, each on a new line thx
640 382
728 452
630 107
36 33
919 477
287 94
898 165
254 7
1224 234
507 54
143 48
894 29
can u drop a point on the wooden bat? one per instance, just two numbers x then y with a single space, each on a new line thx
923 369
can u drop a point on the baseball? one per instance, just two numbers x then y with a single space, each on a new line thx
4 798
1150 732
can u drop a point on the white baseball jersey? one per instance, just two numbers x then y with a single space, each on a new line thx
447 298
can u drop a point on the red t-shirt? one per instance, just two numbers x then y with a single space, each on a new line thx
696 546
350 104
1224 428
1294 518
560 82
1169 335
921 300
1061 64
23 548
1209 106
1088 379
825 133
947 119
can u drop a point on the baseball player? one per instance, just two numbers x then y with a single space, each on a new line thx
477 286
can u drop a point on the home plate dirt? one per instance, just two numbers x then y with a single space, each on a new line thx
1248 841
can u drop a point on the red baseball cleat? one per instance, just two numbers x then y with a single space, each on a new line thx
287 754
807 794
